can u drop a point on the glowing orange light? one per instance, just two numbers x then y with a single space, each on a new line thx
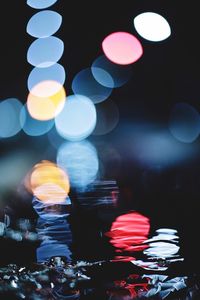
48 182
46 100
50 192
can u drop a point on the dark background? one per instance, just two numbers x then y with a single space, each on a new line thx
167 73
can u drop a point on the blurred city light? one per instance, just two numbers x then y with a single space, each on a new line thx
109 74
44 23
85 84
107 117
32 126
40 4
129 231
55 73
48 182
152 26
122 48
77 119
44 52
46 100
80 160
184 123
9 117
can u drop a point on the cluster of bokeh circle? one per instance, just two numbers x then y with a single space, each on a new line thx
89 109
47 95
85 112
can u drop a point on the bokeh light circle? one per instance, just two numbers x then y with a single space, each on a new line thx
152 26
50 192
109 74
129 231
102 77
107 117
9 117
122 48
184 123
48 182
44 52
44 24
40 4
46 100
32 126
85 84
77 120
80 161
46 88
55 73
54 138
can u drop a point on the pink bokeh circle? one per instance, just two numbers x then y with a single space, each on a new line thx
122 48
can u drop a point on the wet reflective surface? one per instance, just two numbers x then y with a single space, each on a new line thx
89 247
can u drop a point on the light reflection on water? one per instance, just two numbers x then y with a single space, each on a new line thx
51 211
129 234
53 230
99 193
56 238
163 245
136 245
